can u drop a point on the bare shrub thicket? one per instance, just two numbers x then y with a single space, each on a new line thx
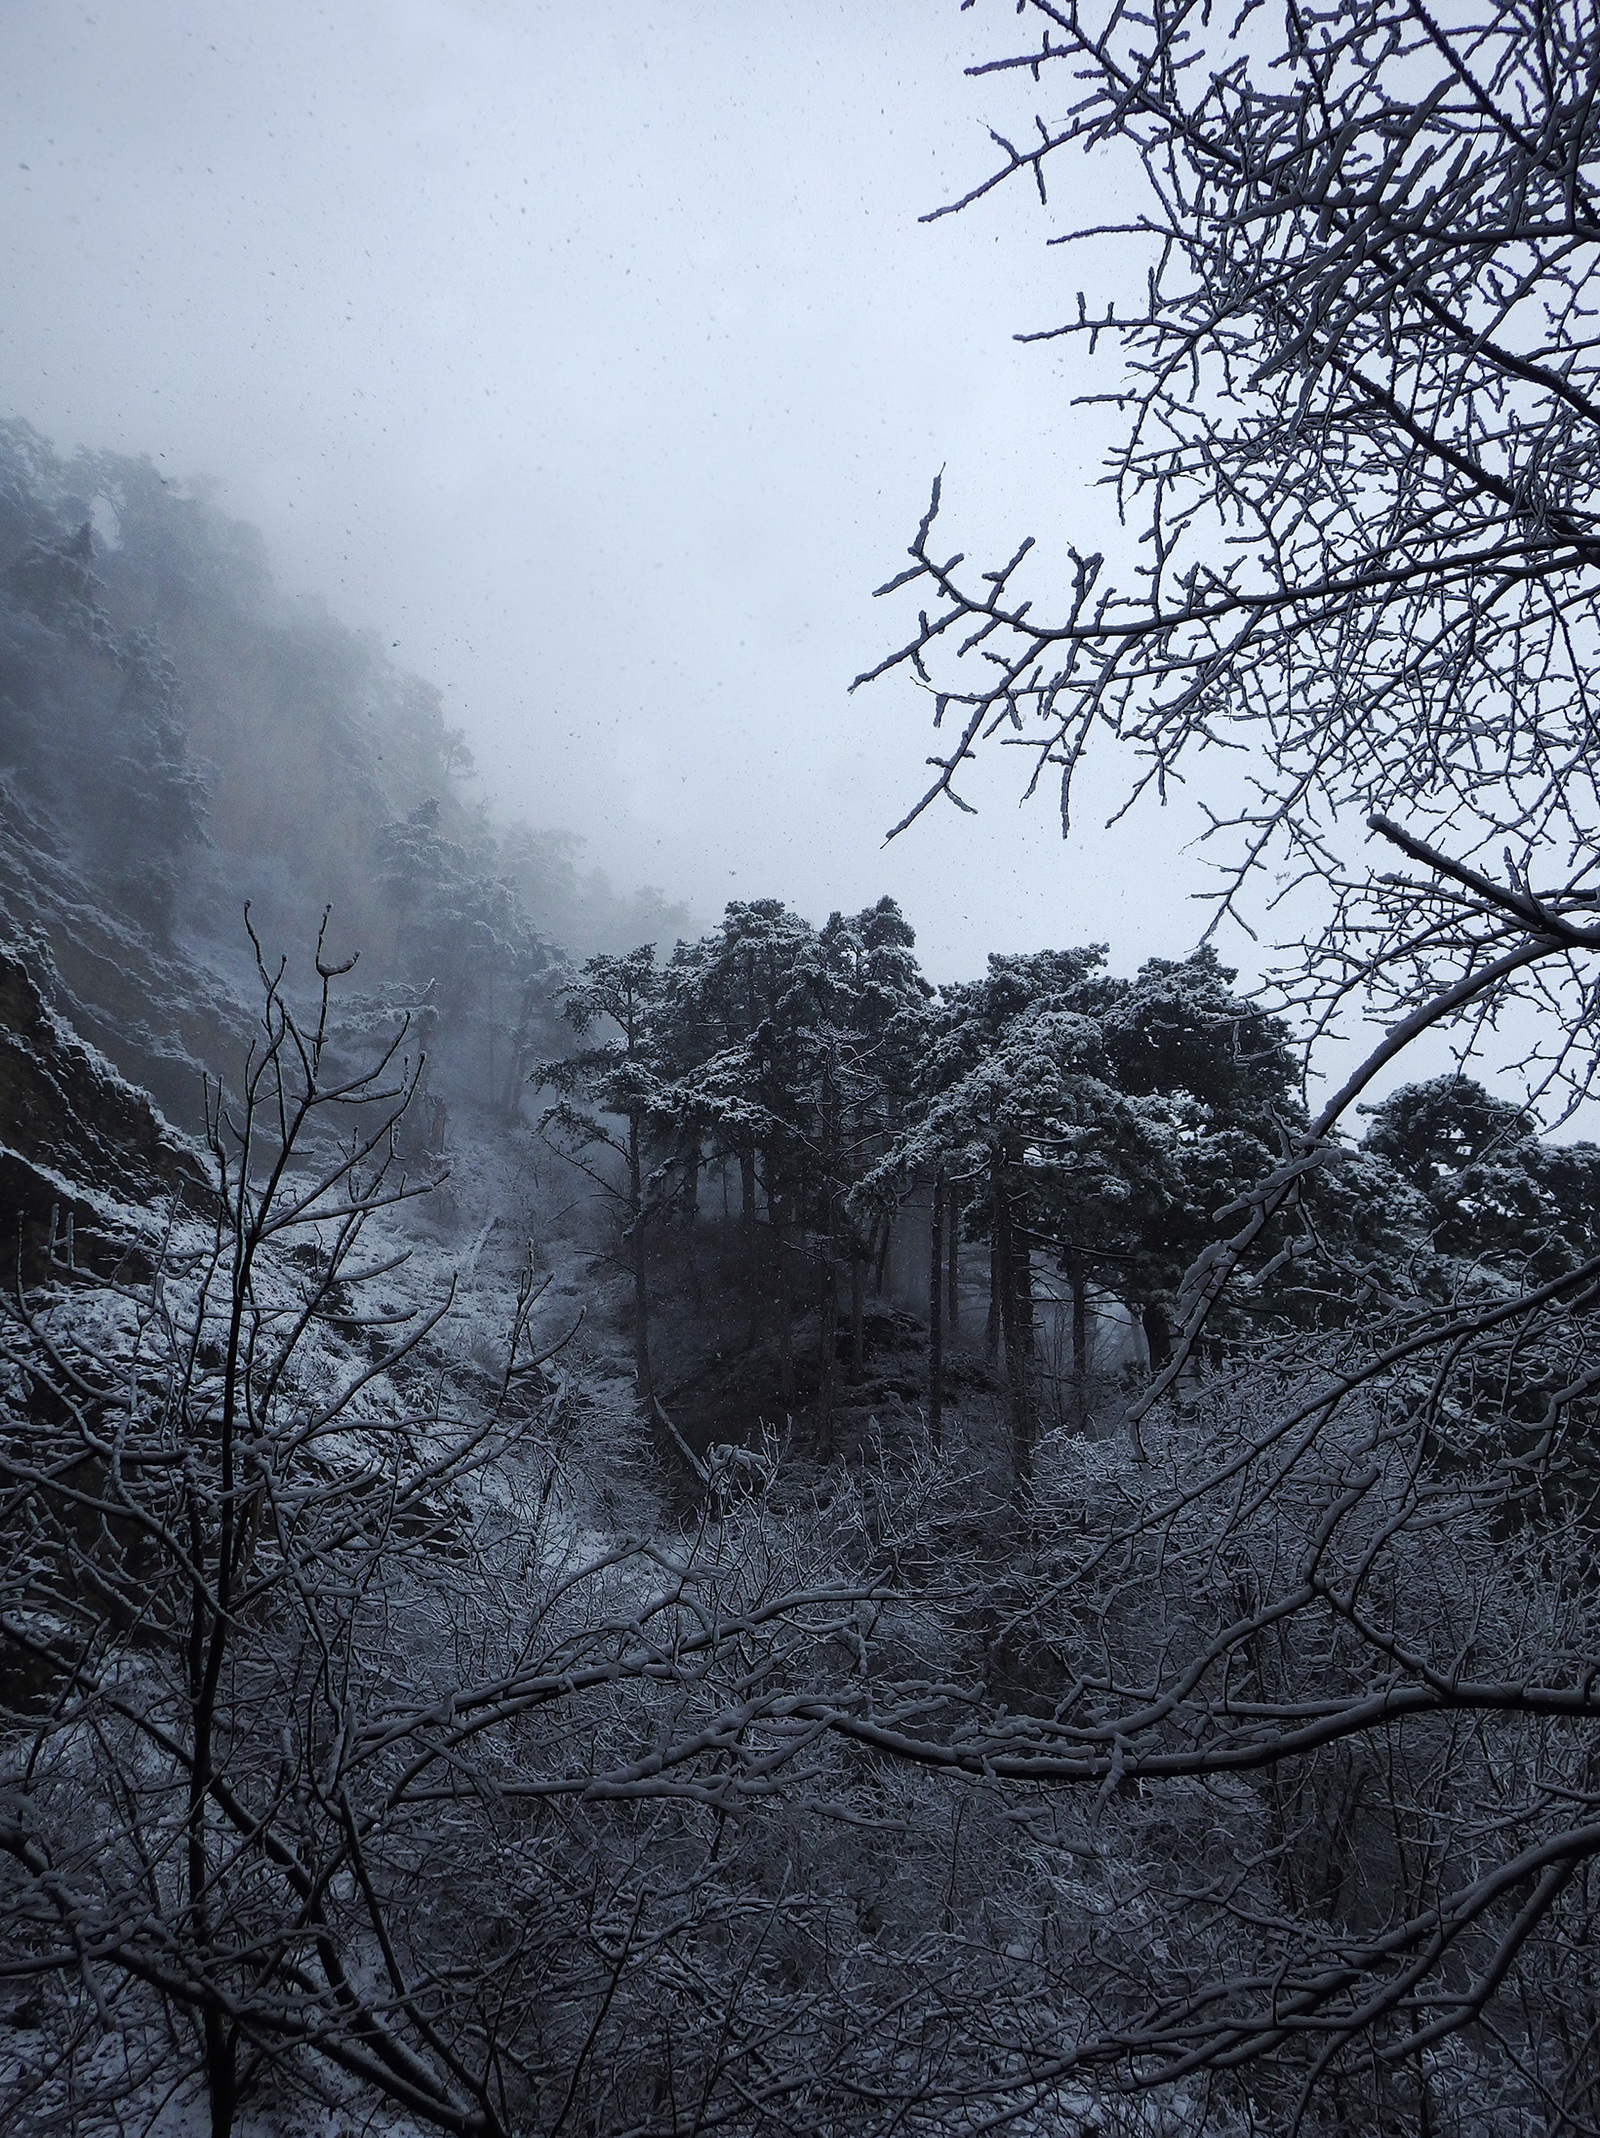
345 1766
337 1758
343 1760
1356 385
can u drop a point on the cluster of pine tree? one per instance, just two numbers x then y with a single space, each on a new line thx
1085 1135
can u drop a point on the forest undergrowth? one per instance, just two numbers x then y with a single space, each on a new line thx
618 1527
663 1792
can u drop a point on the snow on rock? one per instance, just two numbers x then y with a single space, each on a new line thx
84 1155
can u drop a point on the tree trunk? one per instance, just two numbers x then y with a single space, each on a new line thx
827 1278
778 1206
1002 1291
882 1269
1016 1316
222 2073
747 1207
827 1344
691 1188
953 1250
751 1231
641 1297
1080 1333
1157 1335
859 1258
207 1652
936 1283
992 1333
1027 1367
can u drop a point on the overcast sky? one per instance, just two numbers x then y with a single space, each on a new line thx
597 356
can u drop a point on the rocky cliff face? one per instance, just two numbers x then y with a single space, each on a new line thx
88 1167
162 1013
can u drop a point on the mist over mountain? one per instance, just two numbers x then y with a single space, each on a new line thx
178 738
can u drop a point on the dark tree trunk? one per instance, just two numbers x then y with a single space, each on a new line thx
1002 1290
936 1283
778 1206
755 1243
996 1323
882 1269
222 2074
1158 1335
827 1274
1016 1316
859 1258
1080 1331
693 1167
207 1653
827 1343
691 1188
1027 1368
953 1251
747 1207
641 1295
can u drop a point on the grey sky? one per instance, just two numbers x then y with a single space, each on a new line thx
596 355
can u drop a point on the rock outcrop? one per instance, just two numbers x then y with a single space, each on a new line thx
88 1166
